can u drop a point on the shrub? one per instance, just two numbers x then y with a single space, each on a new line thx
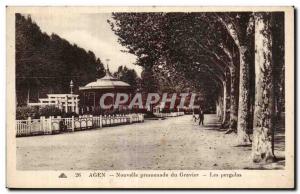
166 111
69 114
149 114
23 112
50 111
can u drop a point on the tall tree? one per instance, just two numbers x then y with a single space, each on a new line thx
128 75
47 64
262 147
240 27
177 55
197 47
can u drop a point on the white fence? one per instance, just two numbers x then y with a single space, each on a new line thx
54 125
172 114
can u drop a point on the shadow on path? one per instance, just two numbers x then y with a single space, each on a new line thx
172 144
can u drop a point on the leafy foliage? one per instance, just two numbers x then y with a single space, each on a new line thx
177 50
128 75
23 112
50 111
46 64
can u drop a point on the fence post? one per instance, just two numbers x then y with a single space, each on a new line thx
45 124
73 124
50 124
100 121
59 120
29 124
42 124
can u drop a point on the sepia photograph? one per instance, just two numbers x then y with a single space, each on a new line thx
150 93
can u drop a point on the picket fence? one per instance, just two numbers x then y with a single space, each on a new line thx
54 125
171 114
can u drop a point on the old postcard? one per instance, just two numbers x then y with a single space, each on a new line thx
150 97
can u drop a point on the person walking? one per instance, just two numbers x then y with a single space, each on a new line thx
201 117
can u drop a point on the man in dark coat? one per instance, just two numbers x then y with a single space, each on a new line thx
201 117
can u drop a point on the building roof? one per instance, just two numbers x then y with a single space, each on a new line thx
62 95
106 82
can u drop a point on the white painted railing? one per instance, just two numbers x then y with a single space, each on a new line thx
53 125
172 114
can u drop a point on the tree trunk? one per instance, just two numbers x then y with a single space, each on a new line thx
218 108
243 111
221 108
234 93
226 101
262 148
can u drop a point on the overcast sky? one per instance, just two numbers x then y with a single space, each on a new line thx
89 31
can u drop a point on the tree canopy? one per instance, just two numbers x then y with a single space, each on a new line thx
128 75
175 49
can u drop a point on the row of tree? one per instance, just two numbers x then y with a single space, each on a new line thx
232 58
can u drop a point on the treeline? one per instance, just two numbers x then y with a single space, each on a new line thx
235 59
129 76
47 64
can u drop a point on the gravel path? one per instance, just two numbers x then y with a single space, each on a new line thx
171 144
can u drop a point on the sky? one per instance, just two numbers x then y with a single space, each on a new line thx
91 32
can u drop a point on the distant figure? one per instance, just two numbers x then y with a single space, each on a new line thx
195 118
201 117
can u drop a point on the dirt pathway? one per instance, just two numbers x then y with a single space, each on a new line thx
174 143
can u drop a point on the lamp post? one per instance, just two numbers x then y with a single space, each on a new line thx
71 86
107 62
